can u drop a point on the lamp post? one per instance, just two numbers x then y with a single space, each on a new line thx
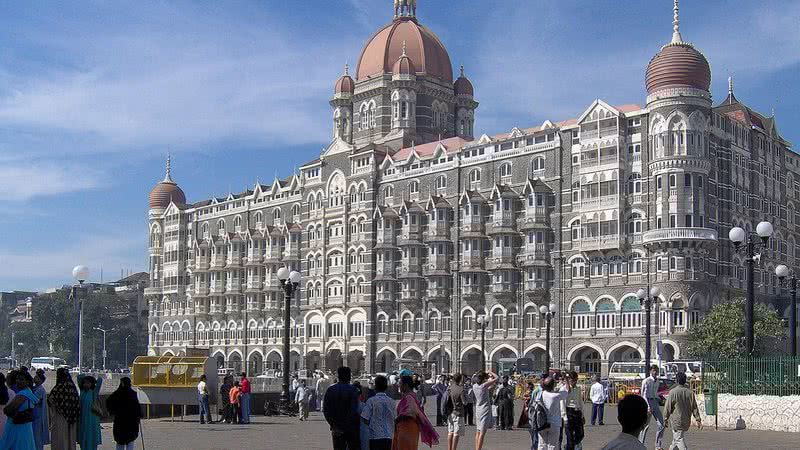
289 282
647 302
783 272
738 236
104 346
126 350
482 322
548 312
81 274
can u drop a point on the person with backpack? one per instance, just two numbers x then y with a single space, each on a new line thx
548 414
453 411
535 398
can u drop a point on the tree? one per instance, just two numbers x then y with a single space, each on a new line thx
721 332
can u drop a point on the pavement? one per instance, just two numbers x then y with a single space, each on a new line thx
275 433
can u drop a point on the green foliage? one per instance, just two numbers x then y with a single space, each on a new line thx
721 332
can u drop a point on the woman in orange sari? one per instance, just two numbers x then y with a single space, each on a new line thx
411 422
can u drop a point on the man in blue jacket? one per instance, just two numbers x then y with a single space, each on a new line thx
340 408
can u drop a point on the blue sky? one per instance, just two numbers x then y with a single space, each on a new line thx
94 94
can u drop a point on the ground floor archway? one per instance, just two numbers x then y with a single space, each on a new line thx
471 361
384 361
235 362
586 359
255 364
333 360
355 361
313 360
439 361
539 357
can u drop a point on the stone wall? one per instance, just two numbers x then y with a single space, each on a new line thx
757 412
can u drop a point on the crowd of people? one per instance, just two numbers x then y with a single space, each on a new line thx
67 416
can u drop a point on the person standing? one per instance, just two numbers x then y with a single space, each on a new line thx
225 399
124 405
549 437
505 405
439 388
454 403
321 388
89 424
245 386
301 398
379 415
632 415
65 409
650 395
340 409
469 402
41 419
18 430
681 406
202 400
535 396
294 386
236 403
572 413
597 394
363 428
411 424
484 420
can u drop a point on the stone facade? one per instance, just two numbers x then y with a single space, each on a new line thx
407 228
754 412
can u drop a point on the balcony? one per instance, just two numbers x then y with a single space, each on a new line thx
386 269
273 253
233 286
473 224
254 284
201 289
201 264
534 215
500 257
271 281
386 237
472 260
473 290
504 288
533 254
438 231
604 202
216 287
610 241
254 257
384 296
234 260
217 261
503 221
673 236
535 286
411 268
438 293
410 294
437 265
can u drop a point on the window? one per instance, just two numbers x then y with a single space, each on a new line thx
673 180
658 182
505 170
687 180
440 183
413 187
537 165
475 176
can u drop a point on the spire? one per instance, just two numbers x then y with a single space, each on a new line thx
168 176
730 87
346 69
462 70
676 25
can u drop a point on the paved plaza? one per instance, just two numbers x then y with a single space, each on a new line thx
287 433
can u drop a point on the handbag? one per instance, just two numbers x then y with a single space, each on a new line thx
23 417
97 409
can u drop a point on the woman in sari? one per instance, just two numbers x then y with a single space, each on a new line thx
124 405
89 423
41 421
411 423
65 409
19 436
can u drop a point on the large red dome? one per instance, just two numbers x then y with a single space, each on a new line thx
678 65
426 51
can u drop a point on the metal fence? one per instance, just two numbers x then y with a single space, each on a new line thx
752 376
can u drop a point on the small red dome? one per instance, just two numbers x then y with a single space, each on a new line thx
463 86
344 85
678 64
404 66
164 193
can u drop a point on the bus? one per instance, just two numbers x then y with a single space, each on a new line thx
506 366
47 363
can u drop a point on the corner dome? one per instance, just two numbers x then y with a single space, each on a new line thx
678 64
166 192
404 65
426 52
345 83
463 86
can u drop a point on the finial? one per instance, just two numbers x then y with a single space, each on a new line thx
346 69
462 70
404 49
168 176
730 85
676 25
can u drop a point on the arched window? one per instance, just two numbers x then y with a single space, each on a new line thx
413 187
467 321
258 218
635 224
237 223
575 230
388 194
221 227
606 314
475 176
505 170
635 183
537 165
204 230
631 313
440 183
276 214
498 320
296 211
580 315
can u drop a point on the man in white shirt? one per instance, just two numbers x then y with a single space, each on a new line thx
202 399
650 395
379 414
320 388
301 398
632 415
598 396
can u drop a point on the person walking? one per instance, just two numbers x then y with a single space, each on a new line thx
411 424
439 388
454 405
236 402
469 402
632 415
363 428
484 420
41 419
535 397
505 405
64 407
549 437
202 401
320 389
572 414
124 405
89 423
301 398
379 415
650 394
680 407
245 386
225 399
4 399
340 408
18 430
597 393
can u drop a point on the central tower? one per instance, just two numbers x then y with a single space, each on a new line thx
404 92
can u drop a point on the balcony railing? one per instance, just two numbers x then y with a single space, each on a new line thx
679 234
438 231
597 242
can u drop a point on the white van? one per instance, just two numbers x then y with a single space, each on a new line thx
47 363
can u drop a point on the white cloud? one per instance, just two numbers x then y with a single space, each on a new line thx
21 181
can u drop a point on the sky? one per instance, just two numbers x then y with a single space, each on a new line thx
95 94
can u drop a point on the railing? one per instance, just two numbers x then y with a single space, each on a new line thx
752 376
598 242
685 234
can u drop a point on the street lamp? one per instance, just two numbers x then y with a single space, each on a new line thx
548 312
738 236
482 322
126 350
783 272
290 281
104 346
81 274
647 302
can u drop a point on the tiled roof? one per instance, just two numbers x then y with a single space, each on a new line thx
450 144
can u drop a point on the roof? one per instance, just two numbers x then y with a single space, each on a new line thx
450 145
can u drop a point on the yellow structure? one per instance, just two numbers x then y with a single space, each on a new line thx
168 371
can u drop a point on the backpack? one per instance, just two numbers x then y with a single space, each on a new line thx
448 407
538 419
